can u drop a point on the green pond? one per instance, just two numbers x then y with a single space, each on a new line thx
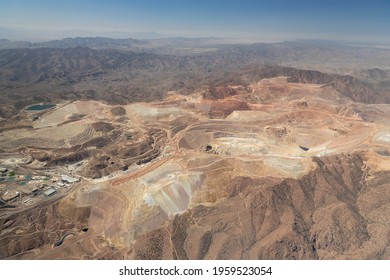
40 107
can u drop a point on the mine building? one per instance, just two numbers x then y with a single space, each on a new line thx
49 192
69 180
10 195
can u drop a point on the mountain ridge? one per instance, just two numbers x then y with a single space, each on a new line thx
69 73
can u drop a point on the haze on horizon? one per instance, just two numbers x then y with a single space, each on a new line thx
265 20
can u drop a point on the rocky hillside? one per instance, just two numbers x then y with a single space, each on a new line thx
324 215
32 75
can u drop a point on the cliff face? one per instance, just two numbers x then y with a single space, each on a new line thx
319 216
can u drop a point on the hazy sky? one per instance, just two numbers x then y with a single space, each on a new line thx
357 20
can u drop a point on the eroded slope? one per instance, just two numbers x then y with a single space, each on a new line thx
269 170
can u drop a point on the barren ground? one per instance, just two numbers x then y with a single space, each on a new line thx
279 170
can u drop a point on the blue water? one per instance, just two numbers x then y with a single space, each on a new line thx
40 107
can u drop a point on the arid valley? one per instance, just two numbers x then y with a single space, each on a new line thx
186 149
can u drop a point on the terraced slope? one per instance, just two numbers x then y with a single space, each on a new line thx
267 170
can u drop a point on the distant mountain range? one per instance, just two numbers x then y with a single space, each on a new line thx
322 56
39 35
128 70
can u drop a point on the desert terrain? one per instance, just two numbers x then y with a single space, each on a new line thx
264 162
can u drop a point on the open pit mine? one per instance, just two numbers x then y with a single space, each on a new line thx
272 170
